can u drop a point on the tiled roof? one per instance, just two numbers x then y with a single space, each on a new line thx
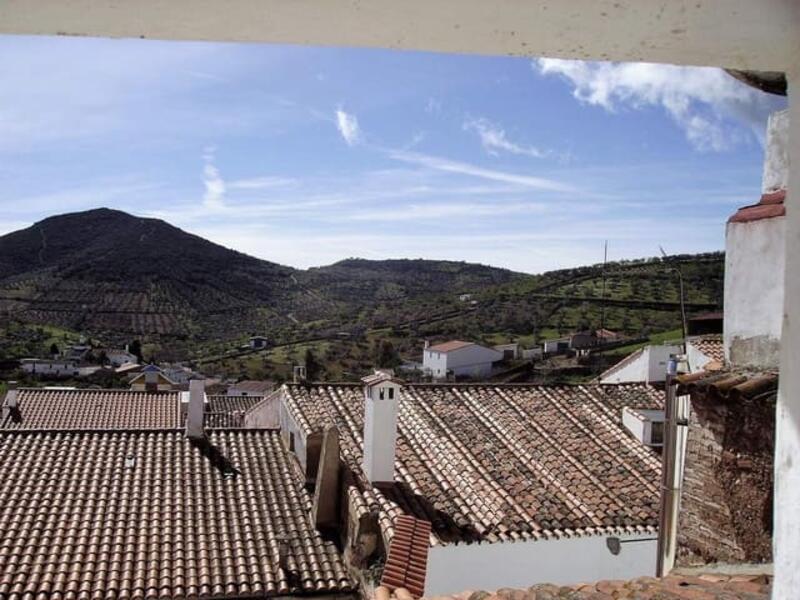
490 463
228 411
82 409
710 345
407 560
254 386
153 515
450 346
672 587
770 205
730 384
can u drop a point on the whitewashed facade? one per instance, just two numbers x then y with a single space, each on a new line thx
470 360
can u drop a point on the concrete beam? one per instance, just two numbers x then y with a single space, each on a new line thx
786 525
325 506
742 34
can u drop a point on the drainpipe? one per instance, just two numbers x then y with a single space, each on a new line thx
668 511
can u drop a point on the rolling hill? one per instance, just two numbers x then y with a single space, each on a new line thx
115 276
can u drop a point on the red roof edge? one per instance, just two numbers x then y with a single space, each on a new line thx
770 205
407 560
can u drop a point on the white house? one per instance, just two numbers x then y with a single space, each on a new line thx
645 365
50 368
117 358
459 359
556 345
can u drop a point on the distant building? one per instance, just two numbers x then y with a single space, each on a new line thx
77 353
509 351
556 346
705 323
117 358
465 297
258 342
588 339
460 359
152 379
45 367
645 365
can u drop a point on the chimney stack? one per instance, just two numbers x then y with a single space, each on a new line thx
381 403
10 402
11 395
299 373
194 414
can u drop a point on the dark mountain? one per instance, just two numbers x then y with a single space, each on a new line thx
110 273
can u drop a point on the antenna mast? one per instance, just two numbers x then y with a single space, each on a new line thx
603 291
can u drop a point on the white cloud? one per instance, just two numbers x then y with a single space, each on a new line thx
708 104
347 125
214 197
493 139
450 166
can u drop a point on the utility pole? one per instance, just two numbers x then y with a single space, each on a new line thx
603 291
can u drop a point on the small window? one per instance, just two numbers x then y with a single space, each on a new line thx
291 441
657 433
380 393
391 393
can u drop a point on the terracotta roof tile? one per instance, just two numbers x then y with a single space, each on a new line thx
407 559
492 463
151 514
450 346
228 411
730 384
80 409
673 587
770 205
711 345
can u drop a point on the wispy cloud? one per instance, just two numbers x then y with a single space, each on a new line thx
494 140
458 210
214 197
451 166
347 124
709 105
261 183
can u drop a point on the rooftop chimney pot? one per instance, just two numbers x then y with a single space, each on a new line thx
381 403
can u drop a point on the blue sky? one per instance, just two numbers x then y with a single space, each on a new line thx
305 156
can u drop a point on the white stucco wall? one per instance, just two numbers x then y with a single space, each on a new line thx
696 359
754 271
454 568
776 157
266 414
649 367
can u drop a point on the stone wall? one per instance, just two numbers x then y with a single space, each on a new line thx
726 505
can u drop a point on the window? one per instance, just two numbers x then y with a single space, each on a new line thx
291 441
380 393
391 393
656 433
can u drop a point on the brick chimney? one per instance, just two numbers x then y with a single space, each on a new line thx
195 410
381 403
